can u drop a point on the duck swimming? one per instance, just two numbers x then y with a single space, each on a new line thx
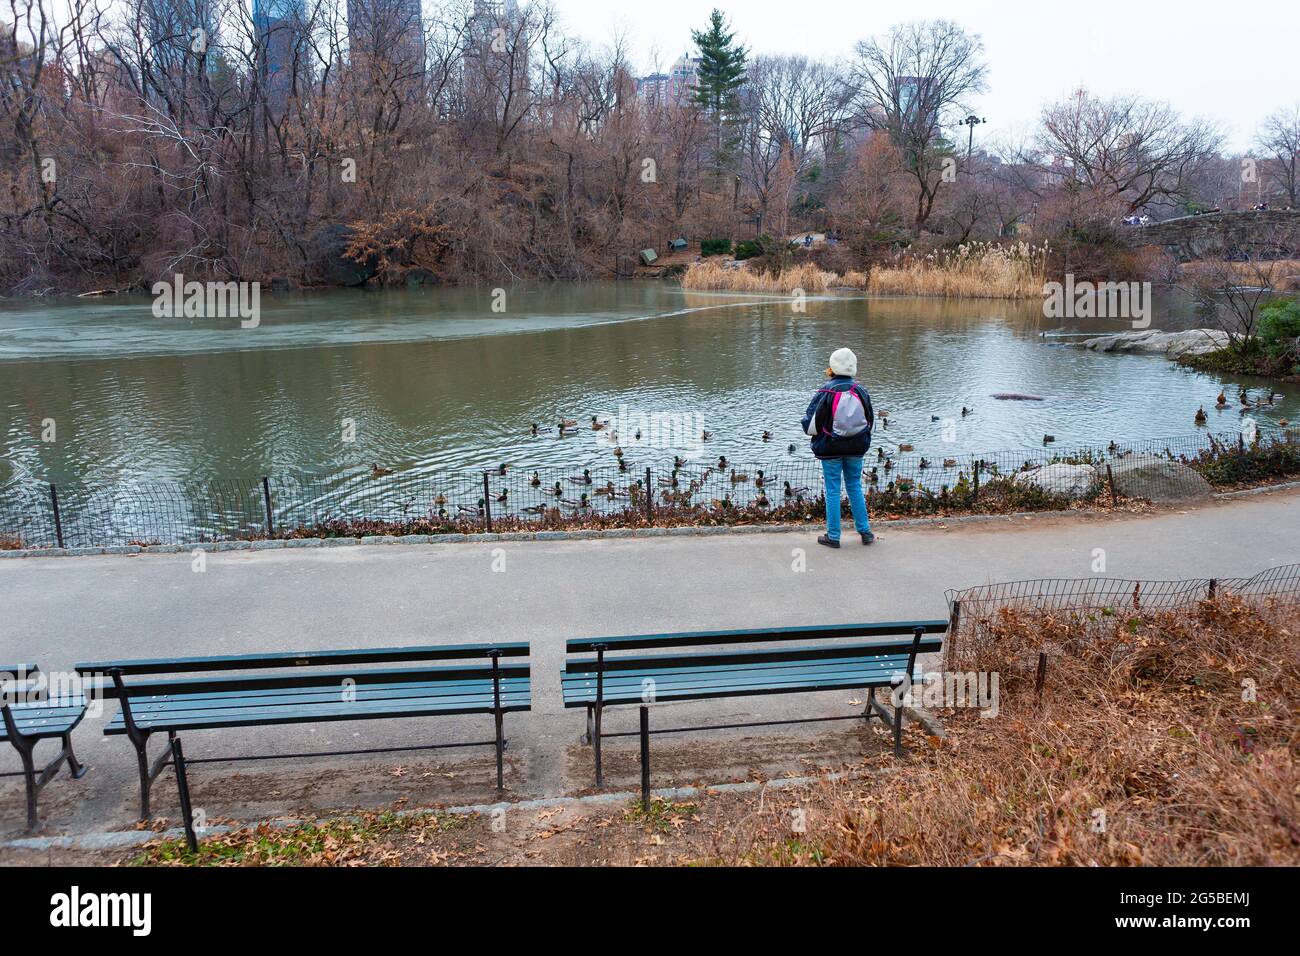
377 472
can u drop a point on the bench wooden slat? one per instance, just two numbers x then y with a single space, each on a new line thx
238 706
579 670
753 636
374 655
732 658
338 712
370 692
234 683
734 689
17 683
877 671
585 691
51 718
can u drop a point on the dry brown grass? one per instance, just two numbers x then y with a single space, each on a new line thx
1143 752
711 274
972 270
1283 273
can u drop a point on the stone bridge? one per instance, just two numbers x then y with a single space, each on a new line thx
1270 234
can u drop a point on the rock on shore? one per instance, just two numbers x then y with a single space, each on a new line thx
1069 481
1158 479
1153 342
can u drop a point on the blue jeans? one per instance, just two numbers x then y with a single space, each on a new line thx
850 469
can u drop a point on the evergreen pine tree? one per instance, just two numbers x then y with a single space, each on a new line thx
720 74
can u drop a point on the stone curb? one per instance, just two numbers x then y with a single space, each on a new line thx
276 544
125 839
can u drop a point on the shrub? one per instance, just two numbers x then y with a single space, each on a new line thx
749 248
715 247
1279 327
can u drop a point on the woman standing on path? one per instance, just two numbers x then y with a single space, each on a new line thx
839 421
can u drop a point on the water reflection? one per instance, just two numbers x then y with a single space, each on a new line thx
435 380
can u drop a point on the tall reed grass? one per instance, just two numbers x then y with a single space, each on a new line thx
972 270
709 274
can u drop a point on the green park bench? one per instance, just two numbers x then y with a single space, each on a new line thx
771 664
30 716
264 690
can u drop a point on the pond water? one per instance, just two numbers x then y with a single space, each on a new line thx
431 380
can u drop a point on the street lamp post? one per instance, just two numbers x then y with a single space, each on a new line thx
971 122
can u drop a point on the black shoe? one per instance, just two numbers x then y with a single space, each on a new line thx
868 537
828 541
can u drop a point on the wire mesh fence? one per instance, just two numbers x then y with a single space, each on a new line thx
701 490
974 610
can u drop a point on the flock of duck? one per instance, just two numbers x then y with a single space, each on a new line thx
1244 401
578 493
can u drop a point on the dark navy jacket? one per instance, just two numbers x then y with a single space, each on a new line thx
817 422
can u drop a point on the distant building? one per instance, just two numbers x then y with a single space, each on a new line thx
495 58
180 32
387 30
280 27
674 86
910 92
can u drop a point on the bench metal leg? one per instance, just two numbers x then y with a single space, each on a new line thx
599 706
645 758
586 738
595 746
75 767
29 775
898 730
501 747
183 793
26 747
875 708
148 772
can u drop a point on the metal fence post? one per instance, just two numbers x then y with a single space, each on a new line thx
1110 480
976 499
266 497
487 505
649 504
58 519
954 623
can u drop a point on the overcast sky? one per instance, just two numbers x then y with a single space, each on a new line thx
1233 62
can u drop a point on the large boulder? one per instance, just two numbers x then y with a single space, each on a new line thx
1152 342
1158 479
330 265
1070 481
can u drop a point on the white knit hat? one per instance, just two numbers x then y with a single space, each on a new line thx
844 362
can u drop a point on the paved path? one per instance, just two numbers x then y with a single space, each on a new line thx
61 610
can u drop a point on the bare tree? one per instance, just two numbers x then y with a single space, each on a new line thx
792 107
911 83
1279 141
1127 148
